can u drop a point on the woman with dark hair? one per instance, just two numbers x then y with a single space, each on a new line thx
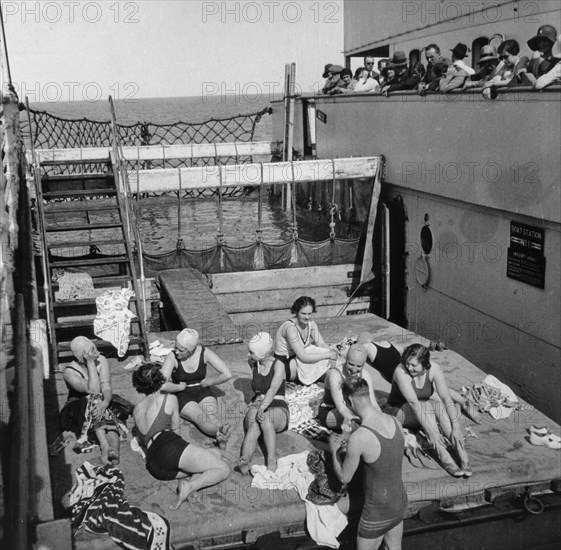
515 67
168 455
419 397
299 345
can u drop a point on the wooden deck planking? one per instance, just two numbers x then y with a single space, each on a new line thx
501 456
196 306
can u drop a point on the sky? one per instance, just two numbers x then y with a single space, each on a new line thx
69 50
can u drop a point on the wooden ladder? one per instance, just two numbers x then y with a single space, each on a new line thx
89 214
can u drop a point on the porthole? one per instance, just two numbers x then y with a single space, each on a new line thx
426 239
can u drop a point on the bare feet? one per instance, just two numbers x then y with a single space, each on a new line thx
243 466
184 490
222 436
272 464
113 457
105 454
471 410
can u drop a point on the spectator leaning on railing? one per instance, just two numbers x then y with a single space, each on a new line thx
487 63
403 79
516 67
543 59
458 72
554 75
434 66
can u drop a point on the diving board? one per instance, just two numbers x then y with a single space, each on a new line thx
195 306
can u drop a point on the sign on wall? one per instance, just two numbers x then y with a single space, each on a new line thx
525 261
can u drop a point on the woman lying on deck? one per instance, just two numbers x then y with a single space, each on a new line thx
420 398
185 371
299 345
268 411
334 412
168 455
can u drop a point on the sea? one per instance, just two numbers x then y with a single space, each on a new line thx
160 226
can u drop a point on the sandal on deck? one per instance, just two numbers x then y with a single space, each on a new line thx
548 440
543 431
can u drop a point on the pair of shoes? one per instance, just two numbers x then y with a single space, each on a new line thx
548 440
543 431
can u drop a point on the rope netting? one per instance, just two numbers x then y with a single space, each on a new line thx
49 131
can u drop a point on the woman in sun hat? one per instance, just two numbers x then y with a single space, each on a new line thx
186 373
542 44
333 78
267 414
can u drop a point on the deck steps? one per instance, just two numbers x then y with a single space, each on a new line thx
195 306
100 191
101 225
76 244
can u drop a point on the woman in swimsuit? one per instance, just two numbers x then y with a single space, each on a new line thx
185 371
87 378
420 398
298 333
268 411
168 455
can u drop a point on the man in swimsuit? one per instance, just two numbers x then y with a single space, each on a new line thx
378 447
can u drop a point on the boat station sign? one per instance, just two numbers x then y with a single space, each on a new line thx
526 262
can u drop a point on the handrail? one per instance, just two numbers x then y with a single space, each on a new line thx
39 197
133 235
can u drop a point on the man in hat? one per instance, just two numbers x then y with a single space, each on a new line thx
434 59
486 65
333 78
458 72
402 80
543 59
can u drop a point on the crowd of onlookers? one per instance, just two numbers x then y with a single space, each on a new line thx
495 69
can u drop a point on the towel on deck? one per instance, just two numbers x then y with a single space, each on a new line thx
324 522
96 503
113 321
73 286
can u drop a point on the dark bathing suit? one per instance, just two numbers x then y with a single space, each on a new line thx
386 361
164 453
396 399
260 384
193 391
385 498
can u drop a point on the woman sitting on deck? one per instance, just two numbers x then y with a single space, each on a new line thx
168 455
89 395
334 412
420 398
299 345
268 411
185 371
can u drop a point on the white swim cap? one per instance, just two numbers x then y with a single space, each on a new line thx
261 344
188 338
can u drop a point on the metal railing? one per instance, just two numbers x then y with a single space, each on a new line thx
132 233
